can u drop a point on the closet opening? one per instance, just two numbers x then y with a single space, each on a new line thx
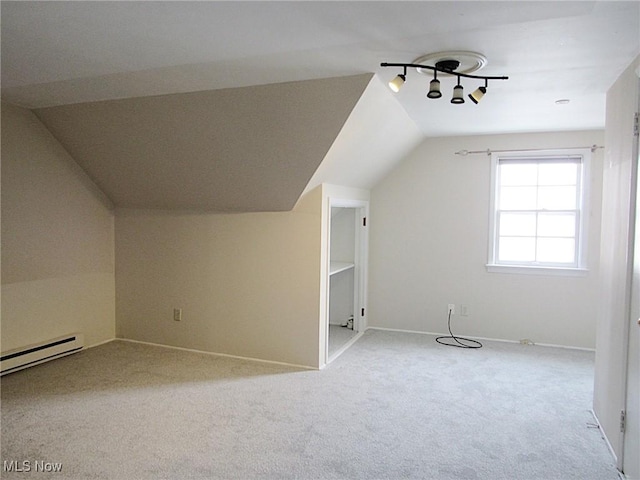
346 319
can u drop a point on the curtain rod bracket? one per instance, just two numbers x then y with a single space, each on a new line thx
488 151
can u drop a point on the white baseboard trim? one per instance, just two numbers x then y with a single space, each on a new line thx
100 343
238 357
568 347
606 440
502 340
438 334
400 330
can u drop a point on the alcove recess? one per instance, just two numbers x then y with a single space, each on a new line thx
342 265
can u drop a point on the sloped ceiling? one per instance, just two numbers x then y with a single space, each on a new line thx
64 52
240 149
238 146
377 134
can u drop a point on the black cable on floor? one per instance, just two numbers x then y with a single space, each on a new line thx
461 342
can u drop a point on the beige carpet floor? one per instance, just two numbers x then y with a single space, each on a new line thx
393 406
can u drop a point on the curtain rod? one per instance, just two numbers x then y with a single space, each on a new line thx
488 151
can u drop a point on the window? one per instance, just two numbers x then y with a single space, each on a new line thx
538 205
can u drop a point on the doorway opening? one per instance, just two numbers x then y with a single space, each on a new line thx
346 319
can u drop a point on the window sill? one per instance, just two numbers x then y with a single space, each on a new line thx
522 270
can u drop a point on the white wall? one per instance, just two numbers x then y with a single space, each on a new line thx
57 241
247 284
376 135
428 248
622 102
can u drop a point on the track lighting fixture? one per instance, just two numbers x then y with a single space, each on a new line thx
434 86
458 93
478 93
396 84
447 66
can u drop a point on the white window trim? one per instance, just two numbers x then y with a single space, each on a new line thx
581 269
537 270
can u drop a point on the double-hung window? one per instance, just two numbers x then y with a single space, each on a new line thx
538 220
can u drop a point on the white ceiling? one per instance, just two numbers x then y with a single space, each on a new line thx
56 53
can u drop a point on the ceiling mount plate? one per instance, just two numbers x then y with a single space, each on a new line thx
468 62
449 65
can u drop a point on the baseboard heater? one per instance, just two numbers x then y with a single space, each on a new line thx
31 355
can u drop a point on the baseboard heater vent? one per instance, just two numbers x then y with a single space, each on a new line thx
31 355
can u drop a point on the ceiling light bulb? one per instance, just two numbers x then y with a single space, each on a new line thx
396 84
458 94
434 89
477 95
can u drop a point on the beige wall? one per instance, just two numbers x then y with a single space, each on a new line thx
57 241
428 248
247 284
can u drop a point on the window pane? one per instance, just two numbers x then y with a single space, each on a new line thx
557 173
518 198
556 224
518 174
560 250
518 224
557 198
517 249
538 202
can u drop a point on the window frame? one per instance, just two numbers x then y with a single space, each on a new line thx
579 268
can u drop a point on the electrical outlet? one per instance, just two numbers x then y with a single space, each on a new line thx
464 310
451 308
177 314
